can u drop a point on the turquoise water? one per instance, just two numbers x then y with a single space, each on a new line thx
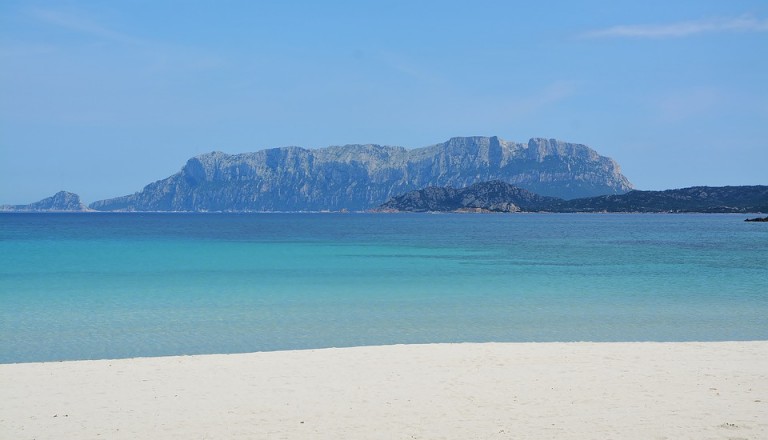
85 286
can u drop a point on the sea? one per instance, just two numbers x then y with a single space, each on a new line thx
120 285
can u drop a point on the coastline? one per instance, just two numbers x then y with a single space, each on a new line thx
579 390
390 212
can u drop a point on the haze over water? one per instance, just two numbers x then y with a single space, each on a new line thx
75 286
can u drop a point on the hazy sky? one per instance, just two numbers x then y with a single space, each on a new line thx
103 97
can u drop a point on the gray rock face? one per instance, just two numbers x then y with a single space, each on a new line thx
358 177
61 201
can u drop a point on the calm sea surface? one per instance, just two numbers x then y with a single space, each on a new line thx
86 286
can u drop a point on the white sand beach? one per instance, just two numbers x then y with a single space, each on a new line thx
711 390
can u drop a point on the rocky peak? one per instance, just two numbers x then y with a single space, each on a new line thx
362 176
61 201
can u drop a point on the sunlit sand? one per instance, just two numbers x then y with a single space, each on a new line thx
453 391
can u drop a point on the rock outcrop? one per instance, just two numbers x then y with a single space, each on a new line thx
359 177
494 196
61 201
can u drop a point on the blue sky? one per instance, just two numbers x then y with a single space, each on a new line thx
103 97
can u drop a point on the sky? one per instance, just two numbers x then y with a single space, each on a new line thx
103 97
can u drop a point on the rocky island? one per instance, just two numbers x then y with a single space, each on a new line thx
463 174
361 177
62 201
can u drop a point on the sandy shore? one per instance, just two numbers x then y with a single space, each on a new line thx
454 391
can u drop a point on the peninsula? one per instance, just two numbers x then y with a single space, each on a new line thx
497 196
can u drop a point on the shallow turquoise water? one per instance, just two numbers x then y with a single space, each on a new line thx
84 286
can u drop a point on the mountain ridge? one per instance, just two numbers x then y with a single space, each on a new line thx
498 196
362 176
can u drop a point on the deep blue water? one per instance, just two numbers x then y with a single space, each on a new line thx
85 286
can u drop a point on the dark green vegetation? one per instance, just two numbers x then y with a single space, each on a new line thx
494 196
498 196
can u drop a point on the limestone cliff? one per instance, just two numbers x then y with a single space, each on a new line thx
358 177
